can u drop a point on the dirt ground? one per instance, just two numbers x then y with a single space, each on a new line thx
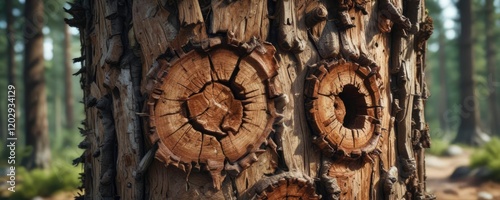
439 170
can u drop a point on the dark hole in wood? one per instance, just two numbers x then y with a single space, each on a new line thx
355 106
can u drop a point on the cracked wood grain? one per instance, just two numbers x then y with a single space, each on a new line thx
343 103
214 110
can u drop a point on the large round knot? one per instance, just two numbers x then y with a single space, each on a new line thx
344 108
214 109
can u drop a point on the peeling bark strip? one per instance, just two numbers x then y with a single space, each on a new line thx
108 170
214 109
343 101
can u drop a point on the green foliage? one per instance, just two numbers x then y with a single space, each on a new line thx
44 183
438 147
487 156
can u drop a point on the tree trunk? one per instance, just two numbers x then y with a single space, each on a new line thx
468 131
490 62
11 74
443 95
68 95
10 56
253 99
37 134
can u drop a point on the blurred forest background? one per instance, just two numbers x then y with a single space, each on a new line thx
462 74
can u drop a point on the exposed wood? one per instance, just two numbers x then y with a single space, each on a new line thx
212 107
242 19
189 12
288 185
343 103
153 32
115 45
289 37
351 183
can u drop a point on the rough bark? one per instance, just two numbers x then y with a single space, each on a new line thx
35 104
491 65
68 95
468 130
254 99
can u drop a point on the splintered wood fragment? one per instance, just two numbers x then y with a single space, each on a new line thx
192 26
342 108
390 14
289 36
242 19
288 185
189 12
211 112
115 46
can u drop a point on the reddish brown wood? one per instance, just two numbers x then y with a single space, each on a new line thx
343 99
350 183
288 185
214 109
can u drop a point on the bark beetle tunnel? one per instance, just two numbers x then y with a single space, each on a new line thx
343 104
213 109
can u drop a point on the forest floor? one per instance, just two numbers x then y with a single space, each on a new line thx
439 170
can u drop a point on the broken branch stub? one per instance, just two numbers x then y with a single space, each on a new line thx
343 101
213 109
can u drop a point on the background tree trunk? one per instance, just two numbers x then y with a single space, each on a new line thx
491 64
68 95
253 99
37 135
468 131
10 56
443 100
